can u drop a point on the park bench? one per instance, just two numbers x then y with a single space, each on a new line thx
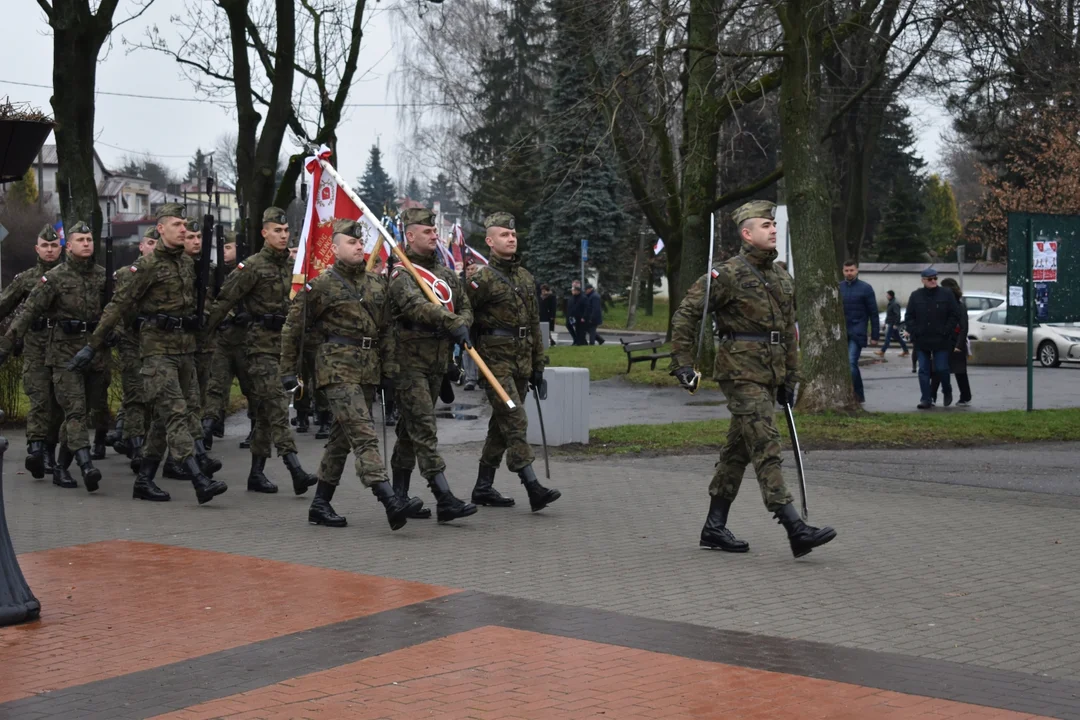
647 347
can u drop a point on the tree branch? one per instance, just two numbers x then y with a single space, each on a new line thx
135 16
47 8
747 190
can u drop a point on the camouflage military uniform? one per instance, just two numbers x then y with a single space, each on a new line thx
230 360
134 404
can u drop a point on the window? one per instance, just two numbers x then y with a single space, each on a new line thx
995 318
993 302
974 303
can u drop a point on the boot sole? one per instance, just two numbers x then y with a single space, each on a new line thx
817 543
35 466
506 502
92 480
301 489
148 498
66 486
550 497
264 491
457 514
721 548
424 514
324 523
204 498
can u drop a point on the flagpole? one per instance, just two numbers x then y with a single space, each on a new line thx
384 235
374 256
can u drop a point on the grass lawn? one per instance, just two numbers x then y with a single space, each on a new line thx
615 317
871 430
608 360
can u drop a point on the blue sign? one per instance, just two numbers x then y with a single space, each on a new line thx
584 250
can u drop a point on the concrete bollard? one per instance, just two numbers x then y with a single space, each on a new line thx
566 410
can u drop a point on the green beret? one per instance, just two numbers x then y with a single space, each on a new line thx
417 216
79 226
192 224
499 219
754 209
275 215
352 228
230 237
170 210
48 234
152 233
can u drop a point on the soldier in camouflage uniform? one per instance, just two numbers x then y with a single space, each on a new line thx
349 309
424 330
162 292
44 416
264 281
71 296
303 404
134 406
753 304
507 327
204 353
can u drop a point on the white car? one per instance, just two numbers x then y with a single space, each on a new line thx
1054 342
975 302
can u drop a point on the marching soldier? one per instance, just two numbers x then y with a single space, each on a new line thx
349 309
161 290
263 282
303 404
507 327
44 417
71 296
204 354
424 332
753 303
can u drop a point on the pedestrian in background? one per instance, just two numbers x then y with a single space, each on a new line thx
860 309
575 314
594 316
548 310
933 315
892 326
959 355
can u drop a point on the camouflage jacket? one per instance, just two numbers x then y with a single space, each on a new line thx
20 287
263 281
229 332
503 297
349 309
70 295
423 326
740 303
162 285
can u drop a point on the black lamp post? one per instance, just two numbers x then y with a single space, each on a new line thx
17 603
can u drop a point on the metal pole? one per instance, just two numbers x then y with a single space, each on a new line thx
583 246
17 602
1029 299
960 264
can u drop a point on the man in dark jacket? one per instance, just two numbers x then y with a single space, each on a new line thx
547 308
892 326
594 315
932 318
860 308
575 314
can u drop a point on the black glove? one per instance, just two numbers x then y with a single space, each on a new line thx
387 384
687 377
82 359
446 391
289 382
461 336
537 378
454 372
785 395
112 339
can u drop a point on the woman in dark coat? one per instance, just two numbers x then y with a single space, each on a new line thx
959 357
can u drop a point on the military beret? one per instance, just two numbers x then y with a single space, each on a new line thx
499 219
929 272
170 210
275 215
48 234
152 233
352 228
230 237
192 224
417 216
79 226
754 209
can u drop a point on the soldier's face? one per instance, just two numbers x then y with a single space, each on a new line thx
81 245
193 243
172 230
230 253
502 241
470 270
760 233
276 235
48 250
348 249
422 238
146 246
292 253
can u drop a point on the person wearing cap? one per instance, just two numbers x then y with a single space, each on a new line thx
71 296
507 320
204 354
752 302
349 308
44 416
892 326
424 334
594 315
161 291
264 282
932 319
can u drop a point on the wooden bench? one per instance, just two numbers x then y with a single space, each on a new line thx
647 347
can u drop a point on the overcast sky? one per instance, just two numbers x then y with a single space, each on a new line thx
172 129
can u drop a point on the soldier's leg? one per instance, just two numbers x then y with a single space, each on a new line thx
514 425
484 492
98 414
404 455
154 448
220 385
37 384
71 392
203 363
272 421
134 404
727 478
189 381
416 439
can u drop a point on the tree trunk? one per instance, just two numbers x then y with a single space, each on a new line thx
825 378
635 282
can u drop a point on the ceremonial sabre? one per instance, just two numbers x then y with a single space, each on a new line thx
537 392
407 264
386 448
705 303
798 457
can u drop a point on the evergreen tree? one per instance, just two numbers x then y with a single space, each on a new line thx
895 162
376 187
942 218
413 191
198 166
902 237
148 168
441 191
583 196
25 191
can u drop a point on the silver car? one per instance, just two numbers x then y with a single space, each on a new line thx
1055 343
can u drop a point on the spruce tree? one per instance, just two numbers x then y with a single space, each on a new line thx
942 218
413 192
441 191
376 188
902 237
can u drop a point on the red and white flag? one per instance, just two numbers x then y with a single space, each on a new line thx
326 203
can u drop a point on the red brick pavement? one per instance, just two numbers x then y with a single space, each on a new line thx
118 607
499 674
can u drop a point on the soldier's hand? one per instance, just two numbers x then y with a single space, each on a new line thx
387 384
82 359
290 383
785 395
461 336
537 378
688 378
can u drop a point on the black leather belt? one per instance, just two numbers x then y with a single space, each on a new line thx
773 337
39 324
521 333
364 343
74 327
419 327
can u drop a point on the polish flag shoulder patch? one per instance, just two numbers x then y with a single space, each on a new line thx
134 269
715 273
240 266
44 279
474 285
397 271
307 287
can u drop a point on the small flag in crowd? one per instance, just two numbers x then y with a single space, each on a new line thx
658 247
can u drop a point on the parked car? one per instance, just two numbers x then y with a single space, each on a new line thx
975 302
1054 342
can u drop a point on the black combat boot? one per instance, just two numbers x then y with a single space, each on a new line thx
208 425
115 437
397 510
208 464
401 487
303 422
485 494
61 476
803 537
539 496
246 442
145 488
205 488
98 452
91 476
301 479
50 458
448 507
323 431
136 445
392 416
219 429
35 459
175 471
257 480
321 512
715 534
